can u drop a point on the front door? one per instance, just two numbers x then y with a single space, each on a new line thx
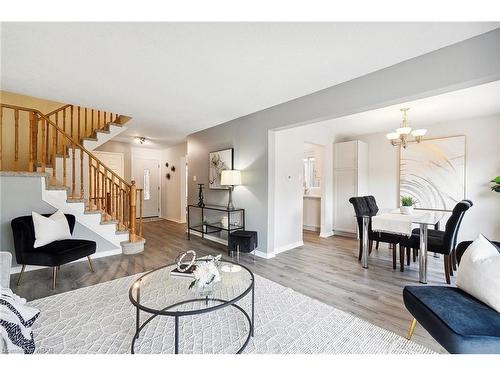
147 177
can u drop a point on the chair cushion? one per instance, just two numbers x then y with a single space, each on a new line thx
434 243
60 252
458 321
430 232
384 237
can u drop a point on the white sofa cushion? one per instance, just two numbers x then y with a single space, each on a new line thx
479 272
50 229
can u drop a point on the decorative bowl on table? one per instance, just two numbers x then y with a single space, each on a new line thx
406 210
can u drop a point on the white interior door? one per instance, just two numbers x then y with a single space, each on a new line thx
147 177
112 160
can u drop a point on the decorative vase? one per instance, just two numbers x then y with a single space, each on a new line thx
406 210
201 203
206 290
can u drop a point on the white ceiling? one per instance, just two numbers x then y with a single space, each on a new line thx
178 78
482 100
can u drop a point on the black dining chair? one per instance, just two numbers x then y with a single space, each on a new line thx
440 242
367 206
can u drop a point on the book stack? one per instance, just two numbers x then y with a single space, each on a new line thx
187 273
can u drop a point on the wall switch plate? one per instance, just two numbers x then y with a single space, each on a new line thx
194 178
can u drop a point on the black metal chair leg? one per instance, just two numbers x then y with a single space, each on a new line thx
401 258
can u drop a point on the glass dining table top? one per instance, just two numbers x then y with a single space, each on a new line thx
419 216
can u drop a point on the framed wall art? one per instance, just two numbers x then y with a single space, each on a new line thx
433 172
219 161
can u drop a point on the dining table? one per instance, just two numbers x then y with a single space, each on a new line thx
421 217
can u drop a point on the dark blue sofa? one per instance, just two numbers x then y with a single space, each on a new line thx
456 320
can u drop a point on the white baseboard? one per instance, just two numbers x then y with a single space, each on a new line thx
261 254
312 228
288 247
326 234
174 219
345 234
102 254
210 238
258 253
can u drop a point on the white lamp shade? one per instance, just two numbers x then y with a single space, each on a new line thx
419 132
230 177
403 130
392 136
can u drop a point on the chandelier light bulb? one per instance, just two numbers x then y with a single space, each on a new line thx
419 132
404 130
392 136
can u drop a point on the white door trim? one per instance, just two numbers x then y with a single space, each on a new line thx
132 176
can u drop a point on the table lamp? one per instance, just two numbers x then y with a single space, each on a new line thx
230 178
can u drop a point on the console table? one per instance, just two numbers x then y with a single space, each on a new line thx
208 219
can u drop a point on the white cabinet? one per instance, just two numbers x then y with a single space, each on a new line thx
350 179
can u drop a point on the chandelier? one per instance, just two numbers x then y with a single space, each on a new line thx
401 136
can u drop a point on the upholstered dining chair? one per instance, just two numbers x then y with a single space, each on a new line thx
53 255
367 206
441 242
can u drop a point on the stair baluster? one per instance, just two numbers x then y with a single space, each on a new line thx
47 142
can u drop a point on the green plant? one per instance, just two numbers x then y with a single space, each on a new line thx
407 201
496 186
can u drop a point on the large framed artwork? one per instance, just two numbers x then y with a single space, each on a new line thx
219 161
433 172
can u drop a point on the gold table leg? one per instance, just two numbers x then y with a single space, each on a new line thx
411 329
21 275
90 264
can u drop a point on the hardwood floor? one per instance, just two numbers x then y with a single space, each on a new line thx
324 268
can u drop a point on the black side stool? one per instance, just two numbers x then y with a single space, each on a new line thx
244 241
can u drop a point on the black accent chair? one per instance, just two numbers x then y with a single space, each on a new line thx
52 255
441 242
244 241
367 206
456 320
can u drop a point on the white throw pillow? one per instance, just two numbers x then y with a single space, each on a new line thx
50 229
479 272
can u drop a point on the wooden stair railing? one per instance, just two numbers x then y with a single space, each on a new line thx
81 122
39 143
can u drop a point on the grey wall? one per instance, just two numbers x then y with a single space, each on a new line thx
468 63
21 195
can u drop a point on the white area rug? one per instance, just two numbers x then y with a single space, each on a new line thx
101 319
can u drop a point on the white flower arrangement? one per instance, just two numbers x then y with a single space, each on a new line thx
206 273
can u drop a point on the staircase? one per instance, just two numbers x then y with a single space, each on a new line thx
90 127
76 182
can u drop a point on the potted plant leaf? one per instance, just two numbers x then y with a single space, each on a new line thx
407 204
496 184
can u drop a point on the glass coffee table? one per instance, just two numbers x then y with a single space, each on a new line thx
161 294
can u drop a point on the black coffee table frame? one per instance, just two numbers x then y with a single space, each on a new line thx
177 314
